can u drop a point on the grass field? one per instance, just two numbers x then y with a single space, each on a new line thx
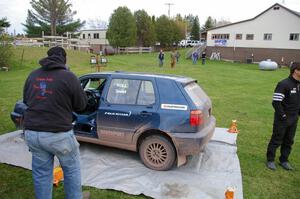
238 91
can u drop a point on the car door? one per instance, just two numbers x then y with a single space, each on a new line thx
130 104
85 123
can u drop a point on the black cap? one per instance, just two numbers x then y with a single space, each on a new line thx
295 66
59 51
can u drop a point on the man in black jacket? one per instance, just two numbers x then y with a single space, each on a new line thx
286 102
51 93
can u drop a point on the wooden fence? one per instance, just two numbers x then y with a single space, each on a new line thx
128 50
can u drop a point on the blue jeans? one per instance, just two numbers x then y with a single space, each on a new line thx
44 146
194 60
161 62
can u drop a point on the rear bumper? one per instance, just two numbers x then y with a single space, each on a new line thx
193 143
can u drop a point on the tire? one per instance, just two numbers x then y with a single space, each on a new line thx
157 153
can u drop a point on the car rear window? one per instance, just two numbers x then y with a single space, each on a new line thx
195 92
146 94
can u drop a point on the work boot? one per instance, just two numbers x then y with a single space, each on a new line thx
286 166
271 165
86 195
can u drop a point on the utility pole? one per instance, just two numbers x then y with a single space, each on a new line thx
169 4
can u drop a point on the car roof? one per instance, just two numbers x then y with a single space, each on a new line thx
178 78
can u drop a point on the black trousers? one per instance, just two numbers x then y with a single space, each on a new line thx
283 136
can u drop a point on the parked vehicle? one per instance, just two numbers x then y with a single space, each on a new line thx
164 118
189 43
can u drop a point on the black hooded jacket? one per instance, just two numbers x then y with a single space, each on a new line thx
51 93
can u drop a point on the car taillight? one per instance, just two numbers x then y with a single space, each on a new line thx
196 118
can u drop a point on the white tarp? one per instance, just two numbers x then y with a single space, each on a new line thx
206 175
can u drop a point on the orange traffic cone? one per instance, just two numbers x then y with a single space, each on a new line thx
57 175
233 127
229 194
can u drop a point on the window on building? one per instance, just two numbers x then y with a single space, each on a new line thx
294 37
219 36
96 35
89 36
268 36
83 36
249 36
239 36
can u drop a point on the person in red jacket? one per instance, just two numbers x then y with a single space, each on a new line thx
51 93
286 102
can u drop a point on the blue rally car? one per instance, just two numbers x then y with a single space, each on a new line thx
164 118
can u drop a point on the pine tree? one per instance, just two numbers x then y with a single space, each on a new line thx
210 23
195 32
51 16
3 24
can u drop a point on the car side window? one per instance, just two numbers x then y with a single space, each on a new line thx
93 83
123 91
146 94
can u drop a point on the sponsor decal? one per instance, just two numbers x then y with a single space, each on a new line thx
220 42
174 107
121 91
118 114
121 85
294 90
111 134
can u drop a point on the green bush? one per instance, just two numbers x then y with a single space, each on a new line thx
5 51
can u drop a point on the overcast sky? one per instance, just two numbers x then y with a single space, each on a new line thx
231 10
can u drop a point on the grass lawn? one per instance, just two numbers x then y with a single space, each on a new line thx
238 91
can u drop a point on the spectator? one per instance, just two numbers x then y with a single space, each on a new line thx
161 57
177 56
195 57
173 58
203 56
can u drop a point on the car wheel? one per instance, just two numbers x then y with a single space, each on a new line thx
157 153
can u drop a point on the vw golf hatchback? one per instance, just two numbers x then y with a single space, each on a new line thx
164 118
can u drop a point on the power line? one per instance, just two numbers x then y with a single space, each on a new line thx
169 4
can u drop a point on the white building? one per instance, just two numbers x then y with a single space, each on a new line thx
273 34
95 38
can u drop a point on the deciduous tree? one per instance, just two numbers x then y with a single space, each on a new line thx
122 28
5 48
167 31
182 26
145 28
